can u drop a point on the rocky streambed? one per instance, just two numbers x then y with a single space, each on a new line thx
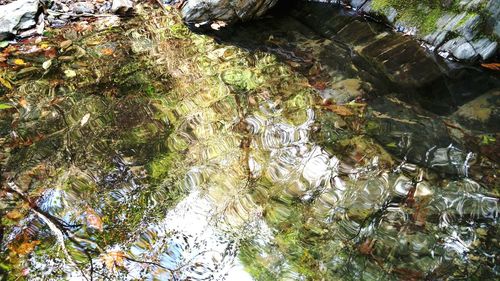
309 145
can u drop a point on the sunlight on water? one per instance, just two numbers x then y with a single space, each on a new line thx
193 160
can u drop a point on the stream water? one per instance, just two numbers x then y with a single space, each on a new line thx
135 149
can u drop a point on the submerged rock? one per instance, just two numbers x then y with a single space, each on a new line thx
414 135
207 11
481 114
16 16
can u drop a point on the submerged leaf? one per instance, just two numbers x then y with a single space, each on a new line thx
492 66
19 62
93 220
5 106
340 110
25 247
14 215
5 83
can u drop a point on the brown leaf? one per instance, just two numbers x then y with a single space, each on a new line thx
492 66
319 85
25 247
14 215
107 51
340 110
23 102
50 53
366 248
93 220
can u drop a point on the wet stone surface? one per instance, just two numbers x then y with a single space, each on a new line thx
135 149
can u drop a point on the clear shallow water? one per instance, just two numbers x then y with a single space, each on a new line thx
171 157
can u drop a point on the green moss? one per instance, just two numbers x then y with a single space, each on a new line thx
421 14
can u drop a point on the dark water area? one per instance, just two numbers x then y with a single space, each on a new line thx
313 144
293 24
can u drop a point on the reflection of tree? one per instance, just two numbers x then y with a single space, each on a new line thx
65 232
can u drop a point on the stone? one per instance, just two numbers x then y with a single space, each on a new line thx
200 12
83 8
16 16
485 48
121 6
345 91
464 51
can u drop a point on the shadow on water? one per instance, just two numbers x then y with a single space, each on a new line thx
292 29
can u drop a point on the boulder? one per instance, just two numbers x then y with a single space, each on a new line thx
16 16
201 12
121 6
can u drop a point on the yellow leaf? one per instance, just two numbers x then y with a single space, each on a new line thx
5 83
19 62
44 45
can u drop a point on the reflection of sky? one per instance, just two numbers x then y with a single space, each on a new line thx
194 245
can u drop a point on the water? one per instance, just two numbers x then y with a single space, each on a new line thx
172 157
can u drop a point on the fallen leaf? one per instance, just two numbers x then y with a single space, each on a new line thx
85 119
5 83
22 102
340 110
14 215
107 51
319 85
44 45
47 64
50 53
65 44
492 66
113 259
19 62
25 247
366 248
93 220
5 106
